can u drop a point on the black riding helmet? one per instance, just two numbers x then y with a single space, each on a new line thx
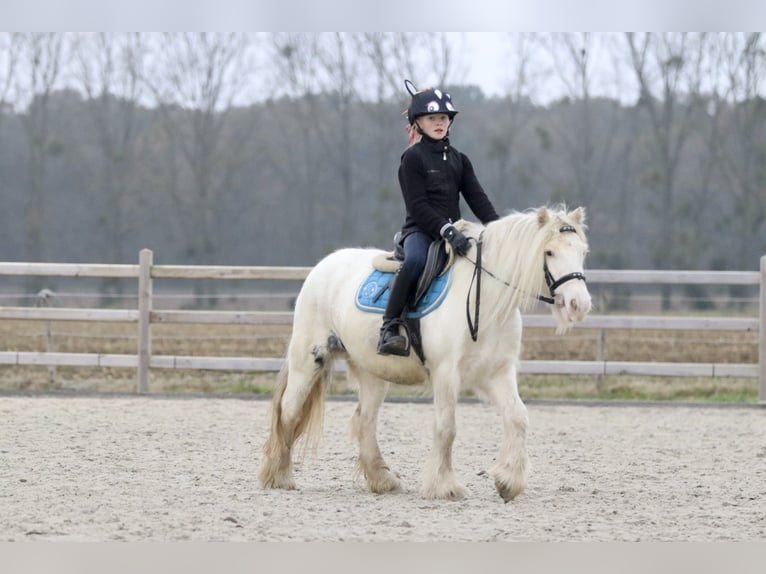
428 101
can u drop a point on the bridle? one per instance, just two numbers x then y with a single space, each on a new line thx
550 281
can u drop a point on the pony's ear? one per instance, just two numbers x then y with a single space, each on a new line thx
578 215
542 216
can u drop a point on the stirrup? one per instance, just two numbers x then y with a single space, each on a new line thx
396 343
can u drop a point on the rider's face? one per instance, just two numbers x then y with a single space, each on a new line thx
434 126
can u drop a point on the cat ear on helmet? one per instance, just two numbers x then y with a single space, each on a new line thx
410 87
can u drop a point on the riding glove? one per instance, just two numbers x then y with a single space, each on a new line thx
458 241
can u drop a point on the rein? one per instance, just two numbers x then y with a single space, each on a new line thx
553 284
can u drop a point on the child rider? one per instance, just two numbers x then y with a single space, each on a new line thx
432 175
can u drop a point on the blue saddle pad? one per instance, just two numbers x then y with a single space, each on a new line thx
372 295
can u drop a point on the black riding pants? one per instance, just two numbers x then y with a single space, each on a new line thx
415 252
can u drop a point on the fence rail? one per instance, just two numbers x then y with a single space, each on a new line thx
144 316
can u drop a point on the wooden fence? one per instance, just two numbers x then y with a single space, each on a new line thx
144 317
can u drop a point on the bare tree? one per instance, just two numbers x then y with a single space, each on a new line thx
383 60
741 151
506 133
388 58
41 56
573 57
594 135
10 47
329 78
669 71
666 67
393 56
441 59
338 64
108 68
379 50
587 137
10 44
197 79
293 104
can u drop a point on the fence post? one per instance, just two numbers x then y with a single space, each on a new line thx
762 336
145 261
47 298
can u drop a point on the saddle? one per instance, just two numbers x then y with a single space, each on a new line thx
439 260
430 291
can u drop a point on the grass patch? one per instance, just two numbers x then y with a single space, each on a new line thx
695 389
271 341
627 388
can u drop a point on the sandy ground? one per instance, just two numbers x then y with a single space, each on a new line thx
167 469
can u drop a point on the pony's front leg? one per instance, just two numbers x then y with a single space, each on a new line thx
439 479
364 425
510 471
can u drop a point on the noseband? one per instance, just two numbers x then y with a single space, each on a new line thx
553 284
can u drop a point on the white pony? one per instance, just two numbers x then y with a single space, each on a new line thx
524 256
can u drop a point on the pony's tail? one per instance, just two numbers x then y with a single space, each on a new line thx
311 421
276 466
311 416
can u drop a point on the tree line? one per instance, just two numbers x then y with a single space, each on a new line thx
274 149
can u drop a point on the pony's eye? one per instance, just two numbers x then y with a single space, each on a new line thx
549 253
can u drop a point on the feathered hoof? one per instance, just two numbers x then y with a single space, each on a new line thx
506 491
277 481
385 482
510 481
450 491
285 485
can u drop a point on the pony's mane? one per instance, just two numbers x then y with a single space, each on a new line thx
513 252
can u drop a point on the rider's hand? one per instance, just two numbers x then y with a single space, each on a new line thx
458 241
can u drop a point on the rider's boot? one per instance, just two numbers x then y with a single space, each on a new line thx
391 341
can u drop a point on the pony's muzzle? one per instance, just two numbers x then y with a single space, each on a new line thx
573 303
577 305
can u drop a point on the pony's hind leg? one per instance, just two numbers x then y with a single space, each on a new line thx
364 425
297 409
276 470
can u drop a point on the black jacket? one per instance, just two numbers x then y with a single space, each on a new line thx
432 174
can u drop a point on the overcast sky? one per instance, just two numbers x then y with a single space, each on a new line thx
479 27
490 60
